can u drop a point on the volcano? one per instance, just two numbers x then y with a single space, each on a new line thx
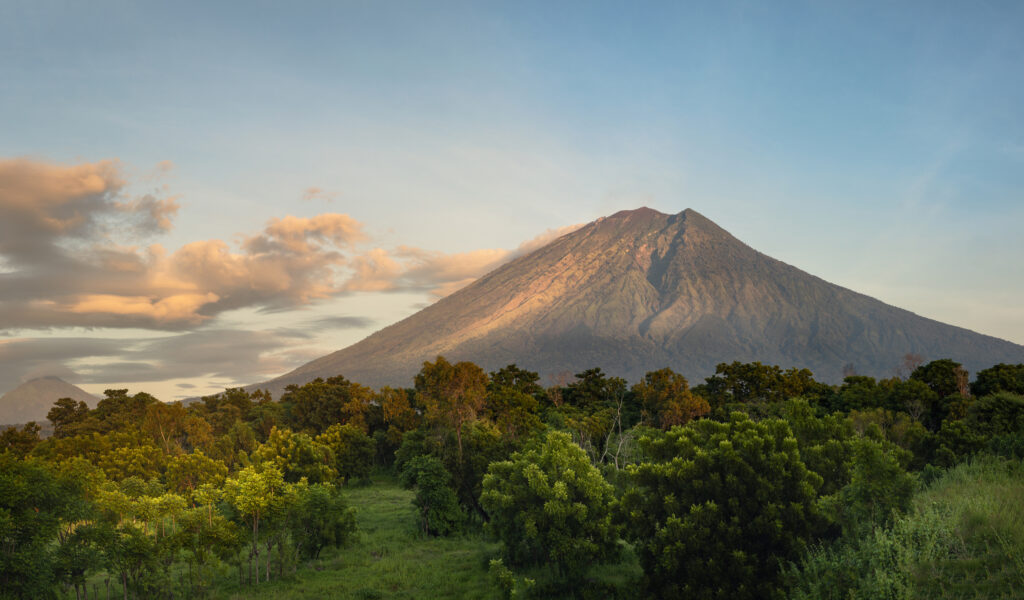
641 290
32 400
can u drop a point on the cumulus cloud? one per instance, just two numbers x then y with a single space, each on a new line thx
65 261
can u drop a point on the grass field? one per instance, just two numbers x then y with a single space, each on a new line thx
389 558
964 540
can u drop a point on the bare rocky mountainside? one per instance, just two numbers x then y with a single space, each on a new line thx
641 290
31 400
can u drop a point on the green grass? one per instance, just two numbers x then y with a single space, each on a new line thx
964 539
389 558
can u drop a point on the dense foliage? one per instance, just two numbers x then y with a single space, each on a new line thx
549 505
719 507
711 490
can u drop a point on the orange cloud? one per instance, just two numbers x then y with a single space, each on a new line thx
180 307
95 281
440 274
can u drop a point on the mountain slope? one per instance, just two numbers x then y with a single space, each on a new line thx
31 400
641 290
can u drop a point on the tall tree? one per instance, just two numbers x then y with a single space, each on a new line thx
665 399
65 414
452 394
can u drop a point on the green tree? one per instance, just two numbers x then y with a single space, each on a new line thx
352 449
723 506
20 441
65 415
187 472
257 492
34 503
317 405
999 378
297 456
878 491
515 413
745 383
321 517
550 506
439 510
945 377
452 394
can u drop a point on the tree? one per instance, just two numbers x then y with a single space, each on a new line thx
452 394
512 411
879 489
352 449
999 378
721 508
256 493
20 441
521 380
666 400
65 414
166 423
321 517
396 408
438 506
297 456
321 403
187 472
549 505
34 503
945 377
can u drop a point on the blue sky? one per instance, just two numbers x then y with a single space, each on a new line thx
877 145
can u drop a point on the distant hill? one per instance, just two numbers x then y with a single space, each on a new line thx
31 400
641 290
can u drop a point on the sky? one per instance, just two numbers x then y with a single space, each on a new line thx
200 195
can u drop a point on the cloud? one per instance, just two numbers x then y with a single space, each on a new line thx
22 359
341 322
315 193
413 269
235 356
77 250
68 255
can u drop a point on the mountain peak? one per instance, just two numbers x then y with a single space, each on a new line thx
32 400
641 290
643 211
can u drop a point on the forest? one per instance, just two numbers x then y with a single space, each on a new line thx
759 482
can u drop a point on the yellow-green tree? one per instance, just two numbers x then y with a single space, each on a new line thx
452 394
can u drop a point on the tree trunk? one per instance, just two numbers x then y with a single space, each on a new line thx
458 434
256 547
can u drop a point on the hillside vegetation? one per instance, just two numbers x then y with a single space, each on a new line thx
758 483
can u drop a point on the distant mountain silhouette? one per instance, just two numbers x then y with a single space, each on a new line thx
641 290
31 400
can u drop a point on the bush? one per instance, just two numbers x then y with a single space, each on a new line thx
549 505
724 505
321 518
440 513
